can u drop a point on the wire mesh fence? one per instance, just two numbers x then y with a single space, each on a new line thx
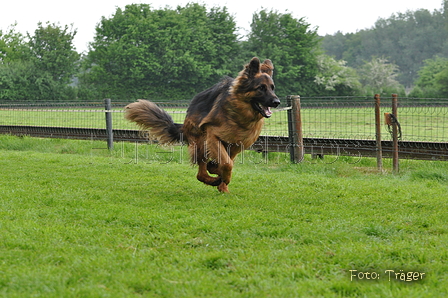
423 120
91 115
336 118
67 114
354 118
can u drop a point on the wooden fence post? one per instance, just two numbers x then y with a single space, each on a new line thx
109 131
395 160
296 150
379 149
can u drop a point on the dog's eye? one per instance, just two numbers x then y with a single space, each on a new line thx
272 87
263 88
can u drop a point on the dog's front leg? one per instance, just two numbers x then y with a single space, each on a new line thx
221 163
203 175
200 156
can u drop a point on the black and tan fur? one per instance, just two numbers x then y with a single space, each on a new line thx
221 121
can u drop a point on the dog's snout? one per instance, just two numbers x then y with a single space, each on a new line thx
275 102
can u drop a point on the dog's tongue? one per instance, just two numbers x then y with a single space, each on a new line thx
267 111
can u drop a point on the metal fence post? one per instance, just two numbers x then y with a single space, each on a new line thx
109 131
395 160
296 150
379 149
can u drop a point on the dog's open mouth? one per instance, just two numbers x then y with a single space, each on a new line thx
264 111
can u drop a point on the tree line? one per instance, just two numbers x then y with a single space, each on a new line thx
39 66
415 43
170 54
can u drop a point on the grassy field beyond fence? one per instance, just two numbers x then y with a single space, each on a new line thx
78 221
347 120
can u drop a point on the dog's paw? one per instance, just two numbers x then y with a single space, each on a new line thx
223 187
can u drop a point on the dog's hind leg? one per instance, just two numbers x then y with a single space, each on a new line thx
199 157
212 168
221 163
203 175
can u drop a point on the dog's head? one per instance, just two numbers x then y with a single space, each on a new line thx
255 84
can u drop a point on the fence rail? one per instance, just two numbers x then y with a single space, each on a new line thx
328 126
316 147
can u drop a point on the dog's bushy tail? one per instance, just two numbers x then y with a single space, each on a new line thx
159 123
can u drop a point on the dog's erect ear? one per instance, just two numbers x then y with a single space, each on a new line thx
267 67
253 67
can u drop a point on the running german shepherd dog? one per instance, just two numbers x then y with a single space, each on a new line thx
221 121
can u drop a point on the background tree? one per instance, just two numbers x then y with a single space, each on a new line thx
12 46
292 45
335 44
13 67
164 53
379 76
39 69
441 82
407 39
53 52
336 78
428 82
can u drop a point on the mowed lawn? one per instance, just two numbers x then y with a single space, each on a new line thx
79 221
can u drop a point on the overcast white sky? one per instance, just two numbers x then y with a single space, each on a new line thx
329 16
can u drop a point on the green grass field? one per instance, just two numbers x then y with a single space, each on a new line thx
79 221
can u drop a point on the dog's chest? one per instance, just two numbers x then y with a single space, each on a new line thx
238 134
